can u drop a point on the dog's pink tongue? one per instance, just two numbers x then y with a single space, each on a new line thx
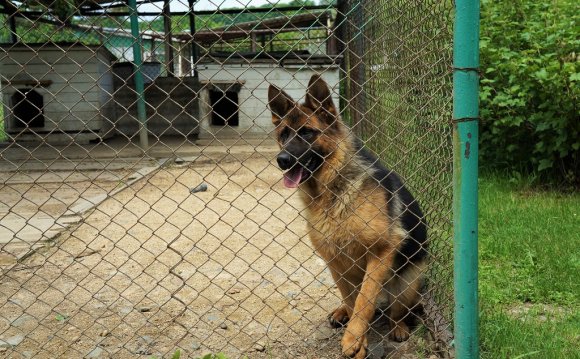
292 178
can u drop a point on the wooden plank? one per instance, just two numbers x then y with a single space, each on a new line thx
28 83
67 122
15 66
76 85
41 69
55 107
79 120
67 98
262 71
53 55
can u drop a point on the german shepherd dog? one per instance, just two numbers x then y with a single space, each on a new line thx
361 219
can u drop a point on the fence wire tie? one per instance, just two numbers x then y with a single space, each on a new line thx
468 69
465 119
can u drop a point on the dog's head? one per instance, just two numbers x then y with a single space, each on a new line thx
307 133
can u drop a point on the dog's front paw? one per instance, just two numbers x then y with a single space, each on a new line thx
339 317
354 346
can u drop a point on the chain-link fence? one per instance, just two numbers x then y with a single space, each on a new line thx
115 244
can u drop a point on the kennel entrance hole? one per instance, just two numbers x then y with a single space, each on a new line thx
224 108
27 105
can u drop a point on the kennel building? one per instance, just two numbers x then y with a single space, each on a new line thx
235 83
234 89
57 92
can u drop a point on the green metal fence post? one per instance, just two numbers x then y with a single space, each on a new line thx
138 76
465 141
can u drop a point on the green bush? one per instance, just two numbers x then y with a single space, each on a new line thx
529 89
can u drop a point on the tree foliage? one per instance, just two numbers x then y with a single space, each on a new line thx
530 86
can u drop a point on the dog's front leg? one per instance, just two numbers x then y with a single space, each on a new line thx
354 341
340 316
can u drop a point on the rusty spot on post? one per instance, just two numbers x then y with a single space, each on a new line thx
468 147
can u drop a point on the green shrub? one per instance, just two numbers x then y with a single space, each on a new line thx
529 89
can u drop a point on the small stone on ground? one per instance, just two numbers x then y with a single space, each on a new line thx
376 351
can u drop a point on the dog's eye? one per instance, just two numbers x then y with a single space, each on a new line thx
284 134
307 133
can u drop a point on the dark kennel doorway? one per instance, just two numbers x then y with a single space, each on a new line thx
27 105
224 108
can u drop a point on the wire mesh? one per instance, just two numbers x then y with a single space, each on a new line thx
192 244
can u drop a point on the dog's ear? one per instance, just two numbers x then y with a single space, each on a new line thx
318 95
280 103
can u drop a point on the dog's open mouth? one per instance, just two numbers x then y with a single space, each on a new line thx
297 174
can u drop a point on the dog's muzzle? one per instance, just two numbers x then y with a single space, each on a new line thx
285 160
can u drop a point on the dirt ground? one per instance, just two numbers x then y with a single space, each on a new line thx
154 269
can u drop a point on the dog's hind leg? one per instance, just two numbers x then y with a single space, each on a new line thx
404 295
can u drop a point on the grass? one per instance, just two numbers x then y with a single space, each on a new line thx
529 270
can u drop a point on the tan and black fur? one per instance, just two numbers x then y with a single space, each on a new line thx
362 220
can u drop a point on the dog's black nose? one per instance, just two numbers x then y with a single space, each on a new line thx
285 160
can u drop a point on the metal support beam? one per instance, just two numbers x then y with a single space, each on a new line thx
12 23
192 30
138 76
169 58
254 42
11 11
98 12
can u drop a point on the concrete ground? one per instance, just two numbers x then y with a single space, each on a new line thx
130 264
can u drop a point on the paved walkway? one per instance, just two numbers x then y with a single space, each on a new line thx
44 188
44 156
